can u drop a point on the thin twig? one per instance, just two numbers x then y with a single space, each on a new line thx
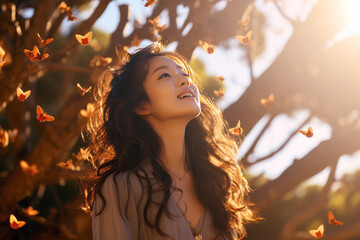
282 12
283 145
253 145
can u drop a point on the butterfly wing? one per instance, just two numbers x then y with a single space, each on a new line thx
310 132
35 51
19 91
88 36
24 165
31 211
70 16
302 131
42 57
330 216
79 38
48 118
27 94
43 42
39 110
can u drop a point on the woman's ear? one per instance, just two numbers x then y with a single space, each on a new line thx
143 109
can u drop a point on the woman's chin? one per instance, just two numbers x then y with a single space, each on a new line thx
194 114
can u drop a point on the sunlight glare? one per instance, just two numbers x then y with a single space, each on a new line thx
352 15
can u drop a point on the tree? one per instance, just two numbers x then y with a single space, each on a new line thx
329 91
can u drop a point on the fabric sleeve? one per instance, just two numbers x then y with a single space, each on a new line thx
113 223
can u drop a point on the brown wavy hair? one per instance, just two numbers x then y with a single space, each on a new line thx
120 140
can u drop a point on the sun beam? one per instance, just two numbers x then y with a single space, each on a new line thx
352 15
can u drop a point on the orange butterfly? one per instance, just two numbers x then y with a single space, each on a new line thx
70 16
309 133
100 61
219 93
220 78
81 155
89 109
67 165
42 116
136 41
318 233
27 169
207 47
150 3
332 220
64 7
31 211
155 24
4 137
2 64
35 55
244 23
82 90
236 130
245 39
266 102
14 223
43 42
84 40
22 96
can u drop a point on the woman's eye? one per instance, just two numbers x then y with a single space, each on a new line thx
164 75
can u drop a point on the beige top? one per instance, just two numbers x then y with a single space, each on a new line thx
113 224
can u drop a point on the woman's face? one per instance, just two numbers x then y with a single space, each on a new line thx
165 84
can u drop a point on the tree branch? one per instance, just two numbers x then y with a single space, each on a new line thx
57 144
117 36
65 67
347 232
303 169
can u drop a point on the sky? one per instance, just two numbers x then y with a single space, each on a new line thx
231 64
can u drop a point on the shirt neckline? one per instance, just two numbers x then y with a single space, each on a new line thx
200 223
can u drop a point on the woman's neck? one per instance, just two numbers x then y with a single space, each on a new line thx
173 154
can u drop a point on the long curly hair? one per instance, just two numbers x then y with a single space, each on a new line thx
119 140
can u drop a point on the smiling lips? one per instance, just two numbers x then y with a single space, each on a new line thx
187 93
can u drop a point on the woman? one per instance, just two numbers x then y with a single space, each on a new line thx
166 167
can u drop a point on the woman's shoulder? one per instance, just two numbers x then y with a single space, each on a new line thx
129 181
124 182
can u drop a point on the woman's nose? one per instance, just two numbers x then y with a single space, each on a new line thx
184 82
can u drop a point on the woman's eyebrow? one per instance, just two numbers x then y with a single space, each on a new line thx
161 67
164 66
